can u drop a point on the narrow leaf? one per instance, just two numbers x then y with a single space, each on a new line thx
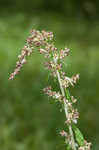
79 136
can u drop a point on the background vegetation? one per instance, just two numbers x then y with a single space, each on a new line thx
27 120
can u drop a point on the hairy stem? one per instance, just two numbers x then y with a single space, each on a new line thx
66 110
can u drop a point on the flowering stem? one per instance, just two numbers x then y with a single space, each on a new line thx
66 111
43 41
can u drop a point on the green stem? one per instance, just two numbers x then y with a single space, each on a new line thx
67 94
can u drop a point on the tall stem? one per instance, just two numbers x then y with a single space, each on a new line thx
66 110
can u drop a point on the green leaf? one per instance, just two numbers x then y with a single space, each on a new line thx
68 94
78 135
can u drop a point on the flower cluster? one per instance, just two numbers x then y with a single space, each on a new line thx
36 39
26 51
53 94
52 66
66 81
87 146
63 133
72 117
64 53
72 113
43 41
66 135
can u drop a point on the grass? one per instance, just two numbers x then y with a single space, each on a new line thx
27 120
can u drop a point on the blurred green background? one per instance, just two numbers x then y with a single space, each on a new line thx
27 119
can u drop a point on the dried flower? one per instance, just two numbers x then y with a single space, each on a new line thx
63 133
53 94
75 78
87 146
64 53
26 51
73 99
